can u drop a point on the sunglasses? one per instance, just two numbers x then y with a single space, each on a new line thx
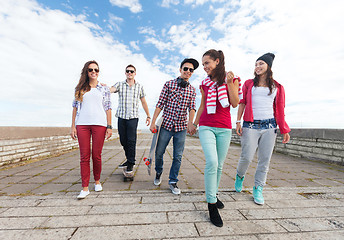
129 71
186 68
91 69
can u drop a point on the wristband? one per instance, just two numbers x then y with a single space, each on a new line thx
148 117
194 125
239 121
109 127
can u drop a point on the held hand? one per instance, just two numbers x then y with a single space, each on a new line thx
148 120
286 138
152 127
108 133
238 129
73 133
191 129
230 76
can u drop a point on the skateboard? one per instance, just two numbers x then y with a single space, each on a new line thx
149 160
127 177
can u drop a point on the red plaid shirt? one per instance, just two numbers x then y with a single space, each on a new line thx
175 101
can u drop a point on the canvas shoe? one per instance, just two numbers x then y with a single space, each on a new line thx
258 195
174 188
238 183
157 180
129 168
83 194
123 165
98 187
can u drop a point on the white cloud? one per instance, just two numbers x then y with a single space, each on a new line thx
135 45
44 55
114 22
133 5
305 36
168 3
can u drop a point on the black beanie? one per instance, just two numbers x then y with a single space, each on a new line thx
268 58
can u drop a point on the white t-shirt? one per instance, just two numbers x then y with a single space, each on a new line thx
92 110
262 103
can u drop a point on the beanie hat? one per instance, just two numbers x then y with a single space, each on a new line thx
268 58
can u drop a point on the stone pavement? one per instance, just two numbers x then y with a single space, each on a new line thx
304 200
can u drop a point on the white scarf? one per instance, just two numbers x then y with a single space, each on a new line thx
219 92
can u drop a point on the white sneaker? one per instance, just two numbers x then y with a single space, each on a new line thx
83 194
174 188
98 187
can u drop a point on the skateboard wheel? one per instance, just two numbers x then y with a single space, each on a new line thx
144 159
154 131
147 163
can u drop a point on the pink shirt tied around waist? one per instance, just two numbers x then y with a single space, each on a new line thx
217 109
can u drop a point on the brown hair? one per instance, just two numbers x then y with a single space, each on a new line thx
219 73
130 65
269 79
84 82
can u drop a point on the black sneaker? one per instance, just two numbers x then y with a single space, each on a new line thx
123 165
157 179
129 168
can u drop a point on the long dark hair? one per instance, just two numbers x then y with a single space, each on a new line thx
84 82
269 79
219 73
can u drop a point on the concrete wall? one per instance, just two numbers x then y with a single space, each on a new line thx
316 144
24 143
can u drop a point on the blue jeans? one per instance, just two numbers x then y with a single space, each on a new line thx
178 149
215 143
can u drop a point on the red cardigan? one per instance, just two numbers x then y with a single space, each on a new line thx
279 104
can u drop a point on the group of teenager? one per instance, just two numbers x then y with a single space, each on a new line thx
261 103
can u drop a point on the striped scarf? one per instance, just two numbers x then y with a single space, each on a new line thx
219 92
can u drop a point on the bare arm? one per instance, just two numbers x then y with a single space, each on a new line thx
113 89
191 127
145 107
233 89
155 116
239 115
109 122
73 132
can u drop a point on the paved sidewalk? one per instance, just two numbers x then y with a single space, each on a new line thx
304 200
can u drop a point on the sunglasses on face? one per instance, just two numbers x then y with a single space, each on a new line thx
186 68
91 69
129 71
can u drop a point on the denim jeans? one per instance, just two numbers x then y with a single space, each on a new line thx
262 137
215 143
178 149
127 131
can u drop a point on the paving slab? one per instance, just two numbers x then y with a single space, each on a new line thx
303 199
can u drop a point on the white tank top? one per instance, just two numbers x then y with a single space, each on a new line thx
91 110
262 103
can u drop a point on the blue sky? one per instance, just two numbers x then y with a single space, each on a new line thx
44 44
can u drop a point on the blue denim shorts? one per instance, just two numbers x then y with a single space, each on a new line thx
261 124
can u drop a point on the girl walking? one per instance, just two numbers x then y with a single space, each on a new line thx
263 103
219 91
91 118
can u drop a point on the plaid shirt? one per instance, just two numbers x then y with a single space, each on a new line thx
106 99
128 102
175 101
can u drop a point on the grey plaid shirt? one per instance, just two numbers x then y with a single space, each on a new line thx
128 101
